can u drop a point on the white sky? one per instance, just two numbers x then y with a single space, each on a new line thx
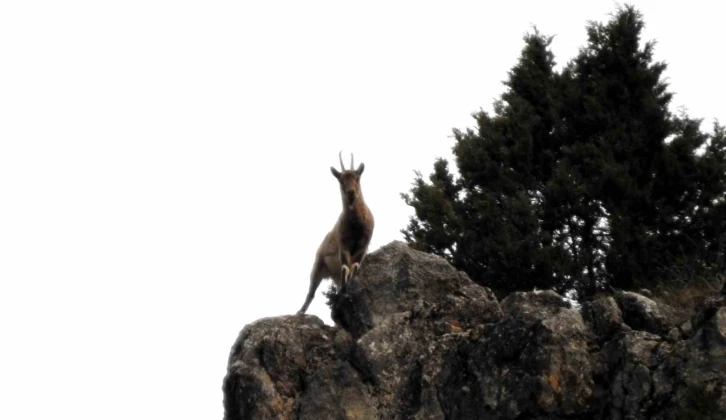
164 167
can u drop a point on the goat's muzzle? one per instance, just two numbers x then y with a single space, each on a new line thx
351 196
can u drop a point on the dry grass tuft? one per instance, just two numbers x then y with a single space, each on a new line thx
684 298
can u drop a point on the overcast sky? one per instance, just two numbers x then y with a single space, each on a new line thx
164 167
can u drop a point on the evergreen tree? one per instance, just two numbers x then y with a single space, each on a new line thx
712 208
693 190
618 123
581 179
488 222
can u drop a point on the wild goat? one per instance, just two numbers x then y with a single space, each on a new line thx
342 251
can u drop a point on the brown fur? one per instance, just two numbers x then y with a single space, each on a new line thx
340 254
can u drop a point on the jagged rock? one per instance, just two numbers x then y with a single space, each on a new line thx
642 313
534 363
397 279
629 358
674 335
294 367
416 339
691 380
707 311
409 311
646 293
686 329
604 317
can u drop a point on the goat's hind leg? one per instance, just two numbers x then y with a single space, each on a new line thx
316 276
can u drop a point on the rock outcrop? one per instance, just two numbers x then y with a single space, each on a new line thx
417 339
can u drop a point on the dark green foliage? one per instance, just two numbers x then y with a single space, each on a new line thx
619 119
579 179
488 222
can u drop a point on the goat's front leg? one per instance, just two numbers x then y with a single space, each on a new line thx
358 258
345 272
353 269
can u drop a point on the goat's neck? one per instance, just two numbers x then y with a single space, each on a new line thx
355 211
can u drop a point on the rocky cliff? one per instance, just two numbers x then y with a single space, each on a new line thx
417 339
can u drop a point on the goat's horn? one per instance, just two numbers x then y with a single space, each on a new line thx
351 161
340 157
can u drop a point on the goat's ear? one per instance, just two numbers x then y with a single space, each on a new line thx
360 169
335 173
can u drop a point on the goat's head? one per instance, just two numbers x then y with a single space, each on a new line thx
349 180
